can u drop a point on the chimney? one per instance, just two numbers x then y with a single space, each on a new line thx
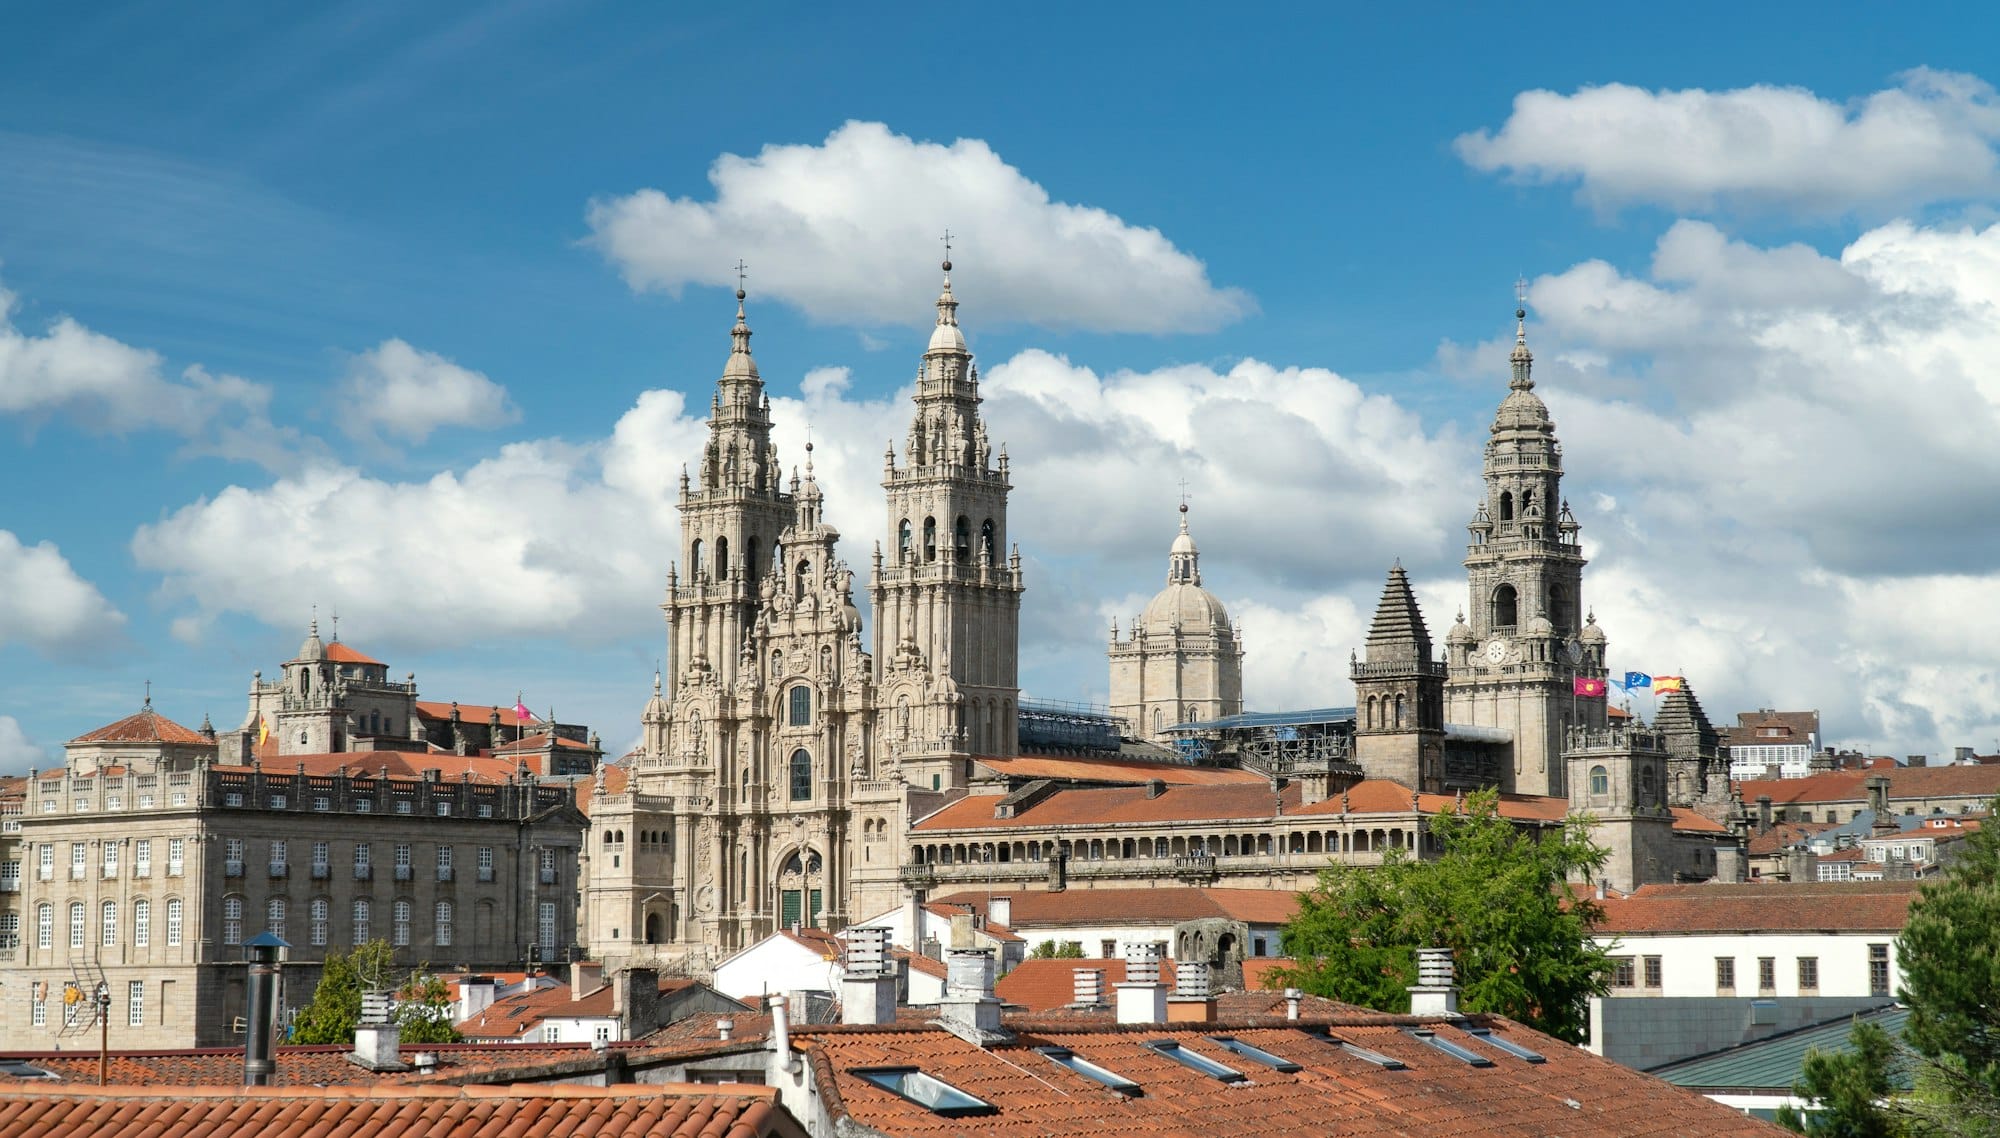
476 994
1730 863
1961 755
781 1036
868 983
969 1009
1089 990
1000 911
1141 996
1435 993
262 950
961 931
1155 788
1878 801
1923 760
1292 998
725 1029
378 1047
585 977
1763 813
1192 1001
1799 864
635 1000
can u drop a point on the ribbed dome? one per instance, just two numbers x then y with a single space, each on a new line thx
947 337
1461 632
1196 610
1521 408
313 649
1592 634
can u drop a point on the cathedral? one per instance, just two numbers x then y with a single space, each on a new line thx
790 774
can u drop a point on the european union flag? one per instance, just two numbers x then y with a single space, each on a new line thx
1637 680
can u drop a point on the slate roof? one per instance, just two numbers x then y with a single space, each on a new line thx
1571 1093
1775 1064
391 1111
1814 906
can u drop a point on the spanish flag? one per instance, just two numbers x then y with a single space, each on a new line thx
263 731
1585 685
1663 684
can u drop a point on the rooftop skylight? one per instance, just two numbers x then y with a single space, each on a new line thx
1386 1062
1089 1070
1486 1035
927 1091
1275 1062
1196 1061
1467 1055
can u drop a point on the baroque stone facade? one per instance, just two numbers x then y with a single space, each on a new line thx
781 762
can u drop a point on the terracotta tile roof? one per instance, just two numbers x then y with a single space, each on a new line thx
616 778
1224 802
1384 796
341 654
296 1066
1830 906
473 713
1782 835
144 726
1572 1093
921 963
1168 904
1688 821
539 741
509 1016
391 1111
399 764
1849 786
990 928
1047 986
1136 771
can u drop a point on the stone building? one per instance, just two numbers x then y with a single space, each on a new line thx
1399 694
148 858
1183 662
1515 663
781 762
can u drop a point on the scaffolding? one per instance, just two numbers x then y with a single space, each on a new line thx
1274 742
1045 724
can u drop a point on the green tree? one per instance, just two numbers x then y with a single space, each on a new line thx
1050 950
424 1010
336 1004
1950 951
1851 1089
1498 896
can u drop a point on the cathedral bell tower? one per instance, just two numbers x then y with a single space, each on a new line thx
1518 663
947 593
1399 694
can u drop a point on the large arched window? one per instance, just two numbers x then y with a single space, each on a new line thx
694 559
801 578
990 541
930 539
76 924
721 558
962 540
108 923
903 551
1505 606
1506 505
142 923
1600 780
802 776
45 925
751 568
801 706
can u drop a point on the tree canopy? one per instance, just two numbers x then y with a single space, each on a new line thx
1850 1089
423 1011
1497 895
1950 951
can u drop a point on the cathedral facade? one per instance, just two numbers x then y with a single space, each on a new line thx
782 761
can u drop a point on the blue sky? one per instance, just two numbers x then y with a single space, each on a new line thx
1753 235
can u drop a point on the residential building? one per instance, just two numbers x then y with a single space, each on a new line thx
593 1008
1768 744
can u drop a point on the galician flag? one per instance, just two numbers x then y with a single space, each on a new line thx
1637 680
1669 683
1588 686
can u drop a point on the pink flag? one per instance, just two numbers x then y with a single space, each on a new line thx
521 714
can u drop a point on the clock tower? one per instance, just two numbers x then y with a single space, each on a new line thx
1516 663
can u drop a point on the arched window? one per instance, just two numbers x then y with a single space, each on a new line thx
232 920
801 706
1505 605
903 552
108 924
990 540
142 923
443 932
694 559
752 569
800 578
363 914
399 926
1399 709
274 917
173 922
722 558
962 540
45 925
1600 780
802 776
1527 503
1506 505
930 539
1159 721
317 912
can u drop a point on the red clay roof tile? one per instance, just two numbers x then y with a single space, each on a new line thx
144 726
1879 906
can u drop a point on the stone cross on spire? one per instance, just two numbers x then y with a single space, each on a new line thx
1522 359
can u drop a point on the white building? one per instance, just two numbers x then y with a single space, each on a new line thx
812 962
1105 921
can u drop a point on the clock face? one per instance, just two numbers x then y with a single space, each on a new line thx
1496 650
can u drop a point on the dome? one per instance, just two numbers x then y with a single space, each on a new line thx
1461 632
947 337
313 649
1521 408
1183 543
1194 609
1591 633
1541 626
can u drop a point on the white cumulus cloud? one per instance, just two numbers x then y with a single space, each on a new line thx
46 606
1928 139
18 752
406 393
848 231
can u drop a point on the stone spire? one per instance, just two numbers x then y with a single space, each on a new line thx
742 365
1522 359
1398 633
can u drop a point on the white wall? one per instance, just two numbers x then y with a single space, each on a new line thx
777 965
1687 962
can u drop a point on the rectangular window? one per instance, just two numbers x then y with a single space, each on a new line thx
361 865
76 924
802 706
1623 974
232 920
1878 969
322 804
1653 972
110 858
402 861
78 858
399 927
45 926
280 852
444 863
1725 974
546 928
318 920
142 857
38 1013
361 915
1107 949
174 922
319 864
176 848
274 917
232 858
1767 974
47 861
135 1003
10 877
107 920
485 863
443 921
1808 973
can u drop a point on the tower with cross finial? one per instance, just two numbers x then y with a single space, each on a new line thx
1182 659
1516 659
